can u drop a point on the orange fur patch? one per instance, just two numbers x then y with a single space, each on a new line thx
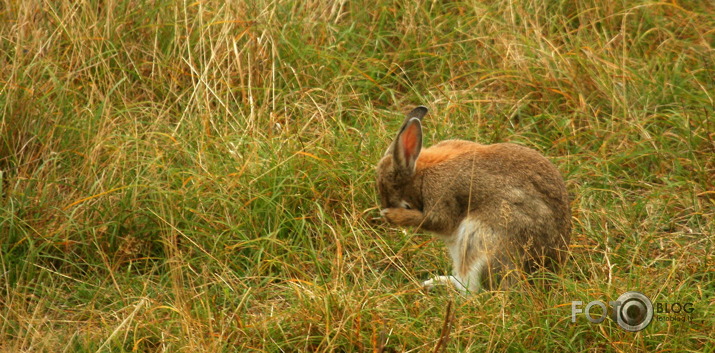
443 152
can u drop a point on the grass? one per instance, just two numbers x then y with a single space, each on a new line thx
198 176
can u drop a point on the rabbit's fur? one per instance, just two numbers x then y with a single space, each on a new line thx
499 208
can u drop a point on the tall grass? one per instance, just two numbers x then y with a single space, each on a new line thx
198 176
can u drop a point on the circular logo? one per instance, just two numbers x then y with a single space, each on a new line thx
635 311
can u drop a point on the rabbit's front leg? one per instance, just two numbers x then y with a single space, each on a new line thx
403 217
433 222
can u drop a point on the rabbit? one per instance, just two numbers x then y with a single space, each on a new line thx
500 208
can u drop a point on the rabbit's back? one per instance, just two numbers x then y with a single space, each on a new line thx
513 190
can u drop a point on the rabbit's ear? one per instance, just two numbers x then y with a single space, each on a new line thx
417 113
408 145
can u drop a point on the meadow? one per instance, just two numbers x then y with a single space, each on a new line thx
198 176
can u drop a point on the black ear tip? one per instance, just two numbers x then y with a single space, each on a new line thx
418 112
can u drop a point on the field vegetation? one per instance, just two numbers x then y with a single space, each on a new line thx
198 176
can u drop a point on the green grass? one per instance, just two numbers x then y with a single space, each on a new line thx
199 176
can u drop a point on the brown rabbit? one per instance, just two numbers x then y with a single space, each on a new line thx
499 207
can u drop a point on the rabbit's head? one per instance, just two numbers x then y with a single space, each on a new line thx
396 169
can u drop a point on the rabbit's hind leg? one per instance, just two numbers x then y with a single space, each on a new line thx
448 280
